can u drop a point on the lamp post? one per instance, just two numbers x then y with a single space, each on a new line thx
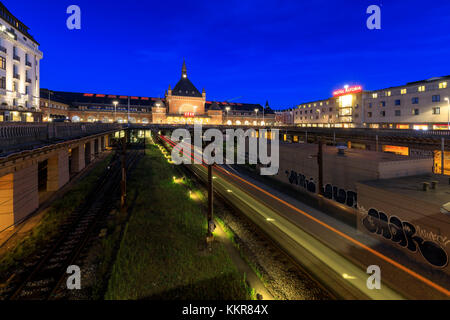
256 111
115 103
227 110
448 112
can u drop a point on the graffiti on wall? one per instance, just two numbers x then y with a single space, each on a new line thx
337 194
405 235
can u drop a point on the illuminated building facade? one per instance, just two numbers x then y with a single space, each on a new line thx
343 110
421 105
19 70
184 104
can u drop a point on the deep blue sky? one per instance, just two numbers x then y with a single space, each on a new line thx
287 52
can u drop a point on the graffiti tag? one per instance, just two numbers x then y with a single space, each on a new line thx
329 191
405 235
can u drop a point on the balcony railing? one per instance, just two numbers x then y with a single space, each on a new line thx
17 58
16 76
28 64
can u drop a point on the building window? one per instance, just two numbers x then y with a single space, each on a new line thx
383 113
330 109
370 105
415 112
436 98
27 90
403 91
437 110
388 93
369 114
421 89
2 83
382 103
398 113
2 63
397 102
415 100
374 95
442 85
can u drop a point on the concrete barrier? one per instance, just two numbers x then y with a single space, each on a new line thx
13 136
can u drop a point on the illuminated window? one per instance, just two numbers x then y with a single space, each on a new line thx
442 85
403 91
421 89
374 95
388 93
437 110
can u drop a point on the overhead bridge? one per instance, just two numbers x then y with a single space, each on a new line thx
365 138
38 159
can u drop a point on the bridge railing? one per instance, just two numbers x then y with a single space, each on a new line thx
371 131
16 135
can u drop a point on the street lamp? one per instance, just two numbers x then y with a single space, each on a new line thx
115 103
256 110
448 112
227 109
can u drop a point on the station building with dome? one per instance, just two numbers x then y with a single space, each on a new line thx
184 104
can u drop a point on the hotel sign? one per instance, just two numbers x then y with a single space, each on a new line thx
189 114
347 90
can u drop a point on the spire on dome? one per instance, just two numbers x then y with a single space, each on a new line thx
184 70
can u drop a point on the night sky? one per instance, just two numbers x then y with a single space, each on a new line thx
287 52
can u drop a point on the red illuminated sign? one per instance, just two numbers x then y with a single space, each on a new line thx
348 90
189 114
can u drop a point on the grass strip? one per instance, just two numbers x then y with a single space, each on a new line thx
163 253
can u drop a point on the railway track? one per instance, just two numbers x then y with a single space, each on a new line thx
260 233
43 276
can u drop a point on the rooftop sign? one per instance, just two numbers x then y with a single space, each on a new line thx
347 90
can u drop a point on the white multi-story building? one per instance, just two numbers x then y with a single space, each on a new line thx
19 70
416 105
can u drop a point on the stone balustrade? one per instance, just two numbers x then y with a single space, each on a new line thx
14 136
